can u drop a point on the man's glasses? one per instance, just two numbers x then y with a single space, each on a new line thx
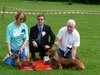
40 19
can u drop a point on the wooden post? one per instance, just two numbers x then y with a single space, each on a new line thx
3 13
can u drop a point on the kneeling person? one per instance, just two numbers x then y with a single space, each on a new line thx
39 38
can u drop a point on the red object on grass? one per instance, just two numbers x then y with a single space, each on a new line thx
27 68
39 65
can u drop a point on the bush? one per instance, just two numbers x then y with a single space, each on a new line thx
87 1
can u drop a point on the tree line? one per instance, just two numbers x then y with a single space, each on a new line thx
77 1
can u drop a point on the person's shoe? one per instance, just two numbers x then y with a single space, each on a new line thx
33 59
46 59
7 56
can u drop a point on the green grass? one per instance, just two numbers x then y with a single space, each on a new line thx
49 5
87 24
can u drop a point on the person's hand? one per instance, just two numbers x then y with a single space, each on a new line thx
20 51
35 44
10 53
56 43
47 46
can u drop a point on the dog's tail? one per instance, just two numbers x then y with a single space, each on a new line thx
82 66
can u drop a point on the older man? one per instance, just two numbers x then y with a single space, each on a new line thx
68 40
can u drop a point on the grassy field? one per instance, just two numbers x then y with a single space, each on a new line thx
87 24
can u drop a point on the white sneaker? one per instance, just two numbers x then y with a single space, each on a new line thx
5 57
46 58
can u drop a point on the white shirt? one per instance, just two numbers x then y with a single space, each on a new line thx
68 39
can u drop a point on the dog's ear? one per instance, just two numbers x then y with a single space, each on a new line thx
55 55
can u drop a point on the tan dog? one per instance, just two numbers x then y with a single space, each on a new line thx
20 64
66 63
53 62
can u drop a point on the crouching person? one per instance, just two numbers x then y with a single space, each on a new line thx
17 39
41 38
68 41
